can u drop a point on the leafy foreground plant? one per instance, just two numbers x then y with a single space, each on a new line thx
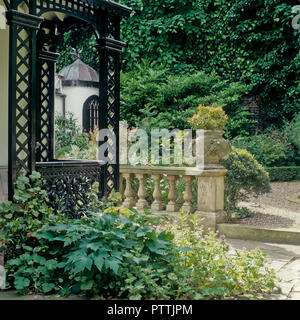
121 254
23 217
95 256
210 271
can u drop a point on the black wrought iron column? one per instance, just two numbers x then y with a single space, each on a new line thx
110 48
22 93
45 108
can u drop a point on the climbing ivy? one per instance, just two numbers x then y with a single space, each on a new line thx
251 41
241 40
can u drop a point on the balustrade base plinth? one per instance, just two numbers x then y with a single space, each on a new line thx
210 220
129 203
157 206
172 207
142 204
188 208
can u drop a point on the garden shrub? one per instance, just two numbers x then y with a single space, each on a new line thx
93 256
269 149
21 218
210 270
245 176
69 134
292 133
74 153
139 88
284 173
240 123
152 97
209 118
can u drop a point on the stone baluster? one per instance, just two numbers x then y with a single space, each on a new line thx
172 196
142 202
157 204
129 195
188 196
121 185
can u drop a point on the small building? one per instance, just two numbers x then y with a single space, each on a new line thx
77 91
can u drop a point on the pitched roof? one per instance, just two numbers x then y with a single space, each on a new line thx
79 71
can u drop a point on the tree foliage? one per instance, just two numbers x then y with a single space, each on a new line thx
240 40
153 97
247 40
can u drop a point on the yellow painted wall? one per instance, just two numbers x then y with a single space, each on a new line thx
4 62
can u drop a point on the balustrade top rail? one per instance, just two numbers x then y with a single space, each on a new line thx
177 171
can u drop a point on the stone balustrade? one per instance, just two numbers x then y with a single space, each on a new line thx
210 190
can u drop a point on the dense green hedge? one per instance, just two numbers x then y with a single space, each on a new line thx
152 98
284 173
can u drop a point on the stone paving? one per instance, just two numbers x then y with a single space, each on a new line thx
284 259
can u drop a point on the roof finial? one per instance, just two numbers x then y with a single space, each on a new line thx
76 53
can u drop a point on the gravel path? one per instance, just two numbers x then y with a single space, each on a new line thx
273 210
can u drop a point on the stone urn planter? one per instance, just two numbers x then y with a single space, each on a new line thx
216 148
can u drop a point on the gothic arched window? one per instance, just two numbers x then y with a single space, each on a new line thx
90 113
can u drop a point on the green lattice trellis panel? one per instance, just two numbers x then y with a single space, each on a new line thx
45 110
113 119
22 94
23 120
45 106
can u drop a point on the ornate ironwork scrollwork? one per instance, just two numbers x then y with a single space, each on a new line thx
68 184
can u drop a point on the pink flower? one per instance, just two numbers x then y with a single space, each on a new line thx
222 236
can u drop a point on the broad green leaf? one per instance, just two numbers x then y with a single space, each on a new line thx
87 285
112 264
21 283
47 287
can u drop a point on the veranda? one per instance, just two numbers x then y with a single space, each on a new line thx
27 67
